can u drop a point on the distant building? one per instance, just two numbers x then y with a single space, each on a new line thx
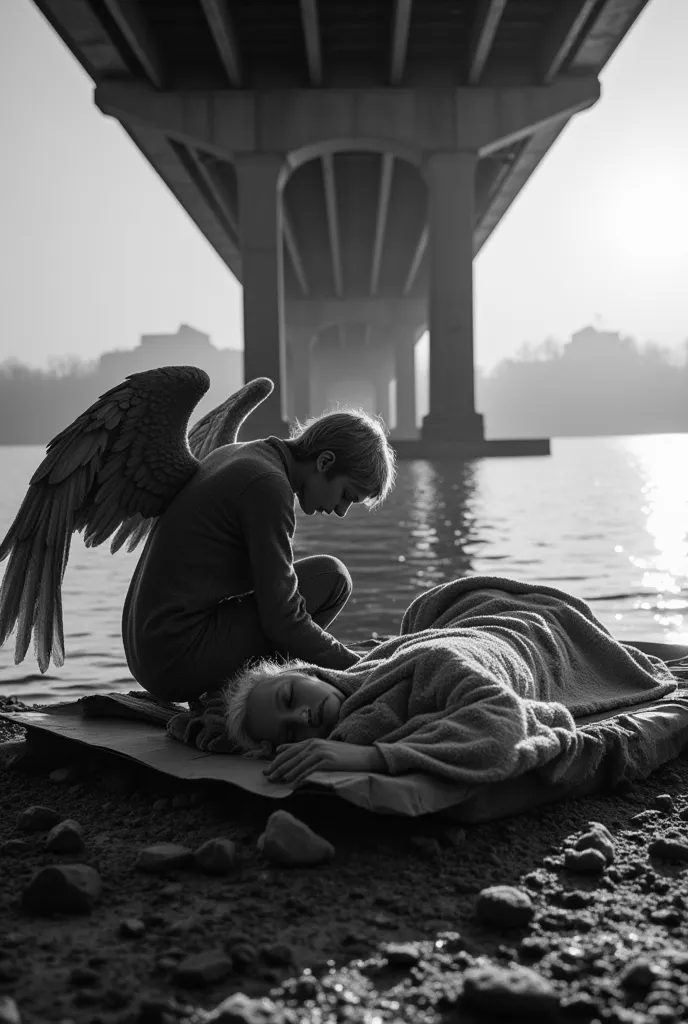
187 347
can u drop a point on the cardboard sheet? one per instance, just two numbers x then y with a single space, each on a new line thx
661 726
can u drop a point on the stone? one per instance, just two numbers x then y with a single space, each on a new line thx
597 826
216 856
85 976
163 857
63 888
646 817
595 839
9 1012
683 814
38 819
585 862
131 927
514 992
14 847
664 802
287 840
427 846
181 801
675 850
639 974
65 775
279 954
161 804
400 954
241 1009
505 906
67 837
202 969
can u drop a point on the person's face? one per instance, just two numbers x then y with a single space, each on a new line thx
292 707
318 494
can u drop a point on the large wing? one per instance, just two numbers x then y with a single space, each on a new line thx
127 454
218 427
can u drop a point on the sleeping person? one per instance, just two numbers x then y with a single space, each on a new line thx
483 683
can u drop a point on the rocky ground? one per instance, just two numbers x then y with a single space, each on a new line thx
131 898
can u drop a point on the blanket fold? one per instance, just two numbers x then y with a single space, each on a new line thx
485 681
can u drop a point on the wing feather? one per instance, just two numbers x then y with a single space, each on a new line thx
218 427
127 454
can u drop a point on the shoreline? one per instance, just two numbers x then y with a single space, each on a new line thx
608 946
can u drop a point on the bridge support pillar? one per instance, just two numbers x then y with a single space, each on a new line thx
451 195
260 222
300 346
405 373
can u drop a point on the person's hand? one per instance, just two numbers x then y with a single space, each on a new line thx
295 761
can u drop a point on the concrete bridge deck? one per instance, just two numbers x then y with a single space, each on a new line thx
347 161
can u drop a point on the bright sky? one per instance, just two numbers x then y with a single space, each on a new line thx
94 250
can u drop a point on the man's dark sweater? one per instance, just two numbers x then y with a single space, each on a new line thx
227 533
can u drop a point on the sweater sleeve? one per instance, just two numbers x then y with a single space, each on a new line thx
265 512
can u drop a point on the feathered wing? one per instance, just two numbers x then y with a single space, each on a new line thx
218 427
126 455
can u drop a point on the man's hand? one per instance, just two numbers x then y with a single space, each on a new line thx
295 761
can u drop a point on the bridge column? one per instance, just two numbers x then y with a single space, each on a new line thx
451 188
300 346
260 223
405 373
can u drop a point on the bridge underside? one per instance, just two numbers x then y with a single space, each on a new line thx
347 162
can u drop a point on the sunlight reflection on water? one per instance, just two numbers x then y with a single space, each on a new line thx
604 518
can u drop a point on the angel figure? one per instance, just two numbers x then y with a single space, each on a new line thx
216 584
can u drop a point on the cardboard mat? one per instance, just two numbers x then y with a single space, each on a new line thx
661 726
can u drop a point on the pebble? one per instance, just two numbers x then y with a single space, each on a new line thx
585 862
646 817
163 857
9 1012
427 846
65 775
38 819
216 856
131 927
595 839
664 802
639 974
514 992
241 1009
504 905
67 837
669 849
205 968
400 954
63 888
13 847
279 954
287 840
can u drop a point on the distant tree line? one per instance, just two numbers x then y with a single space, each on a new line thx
597 383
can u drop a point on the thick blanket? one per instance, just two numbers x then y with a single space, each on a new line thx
485 680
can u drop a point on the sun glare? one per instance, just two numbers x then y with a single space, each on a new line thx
647 217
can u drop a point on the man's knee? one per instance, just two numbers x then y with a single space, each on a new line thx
319 573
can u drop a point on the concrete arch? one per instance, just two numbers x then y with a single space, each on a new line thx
327 147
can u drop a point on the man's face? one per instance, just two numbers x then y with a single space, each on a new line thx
290 707
318 494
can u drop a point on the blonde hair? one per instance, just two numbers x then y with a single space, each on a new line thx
238 689
359 443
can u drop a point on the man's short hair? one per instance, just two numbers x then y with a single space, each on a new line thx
360 446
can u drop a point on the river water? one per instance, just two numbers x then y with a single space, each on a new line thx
605 519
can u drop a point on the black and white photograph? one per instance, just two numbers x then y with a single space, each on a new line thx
344 511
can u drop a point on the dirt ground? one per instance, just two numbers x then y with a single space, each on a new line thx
386 931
